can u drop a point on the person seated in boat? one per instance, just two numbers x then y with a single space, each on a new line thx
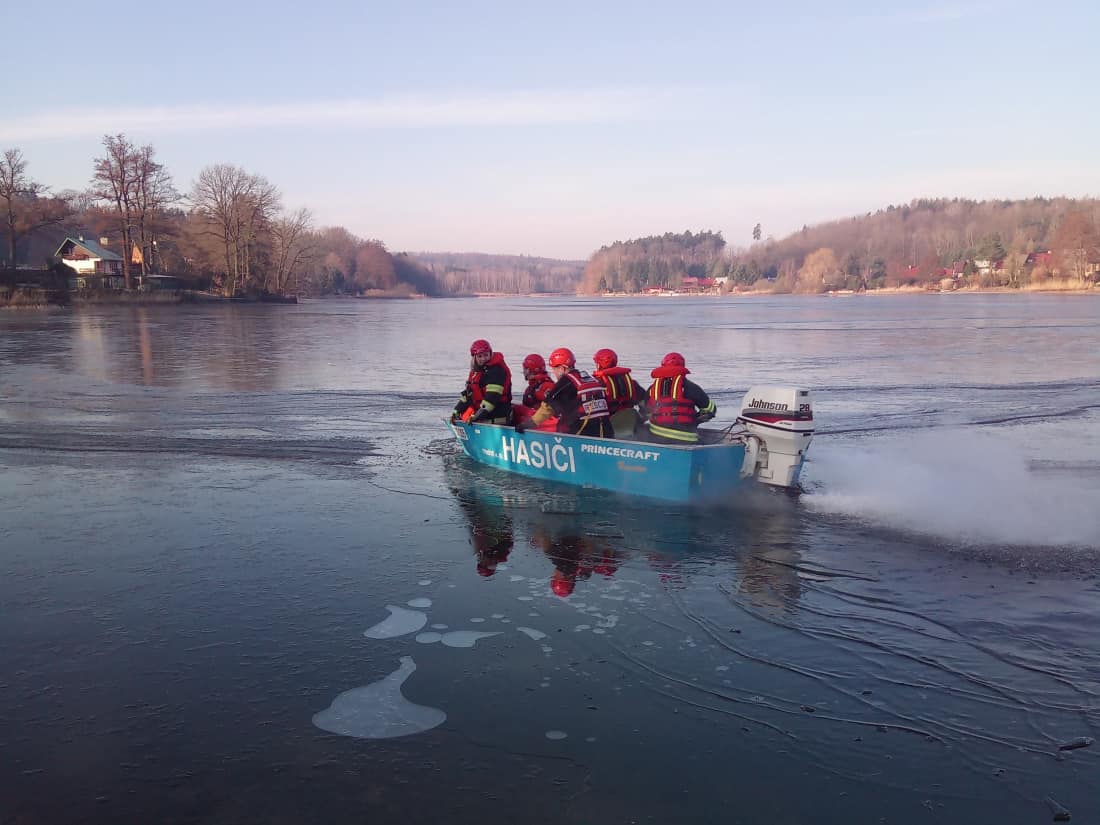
623 392
487 397
539 383
576 398
676 406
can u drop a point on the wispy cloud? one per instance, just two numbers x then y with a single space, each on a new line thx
509 109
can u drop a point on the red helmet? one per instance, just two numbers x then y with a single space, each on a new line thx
481 347
561 584
605 359
534 363
562 357
673 359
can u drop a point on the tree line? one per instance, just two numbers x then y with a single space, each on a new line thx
474 272
1011 243
1020 243
229 231
661 261
1008 243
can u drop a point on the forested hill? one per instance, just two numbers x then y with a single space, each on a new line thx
987 243
656 261
1040 242
466 273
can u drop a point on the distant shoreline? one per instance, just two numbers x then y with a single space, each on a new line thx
999 290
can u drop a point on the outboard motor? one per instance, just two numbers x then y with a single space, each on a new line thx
780 423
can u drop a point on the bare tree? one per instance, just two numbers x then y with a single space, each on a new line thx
292 246
1075 244
236 208
153 192
114 182
26 209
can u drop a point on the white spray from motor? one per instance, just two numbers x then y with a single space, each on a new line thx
779 422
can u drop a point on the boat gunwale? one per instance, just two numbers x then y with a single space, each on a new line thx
724 444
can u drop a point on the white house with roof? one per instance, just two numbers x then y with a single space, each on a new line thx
95 265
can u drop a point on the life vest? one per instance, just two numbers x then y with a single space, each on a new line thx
537 388
477 386
591 396
669 408
619 386
533 397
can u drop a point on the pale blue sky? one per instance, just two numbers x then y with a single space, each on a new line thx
554 128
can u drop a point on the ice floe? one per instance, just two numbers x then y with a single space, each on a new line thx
379 710
465 638
399 623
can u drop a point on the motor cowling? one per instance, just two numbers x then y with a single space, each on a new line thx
781 419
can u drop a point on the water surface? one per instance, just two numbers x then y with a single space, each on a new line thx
203 510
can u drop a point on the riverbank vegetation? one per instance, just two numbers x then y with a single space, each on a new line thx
1040 243
229 232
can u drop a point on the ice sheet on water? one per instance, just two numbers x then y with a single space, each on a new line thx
465 638
400 622
379 710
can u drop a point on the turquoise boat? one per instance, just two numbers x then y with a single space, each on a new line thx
767 444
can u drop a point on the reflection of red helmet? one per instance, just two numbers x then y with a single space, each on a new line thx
673 359
486 569
605 359
534 363
480 347
562 357
561 584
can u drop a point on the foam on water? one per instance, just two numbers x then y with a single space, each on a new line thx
969 485
379 710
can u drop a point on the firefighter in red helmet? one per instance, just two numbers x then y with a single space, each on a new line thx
676 405
488 393
577 398
539 383
623 393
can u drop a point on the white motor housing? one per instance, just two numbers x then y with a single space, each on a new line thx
781 422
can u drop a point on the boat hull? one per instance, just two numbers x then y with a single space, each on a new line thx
658 471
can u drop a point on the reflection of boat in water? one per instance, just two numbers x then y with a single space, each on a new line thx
767 444
589 535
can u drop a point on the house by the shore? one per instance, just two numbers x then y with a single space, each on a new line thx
94 264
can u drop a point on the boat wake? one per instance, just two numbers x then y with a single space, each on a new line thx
963 486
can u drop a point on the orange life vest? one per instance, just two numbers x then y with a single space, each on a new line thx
621 390
669 407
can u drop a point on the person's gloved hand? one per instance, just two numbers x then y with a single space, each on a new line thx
481 415
701 417
522 424
455 417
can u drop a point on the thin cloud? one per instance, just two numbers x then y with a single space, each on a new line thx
512 109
